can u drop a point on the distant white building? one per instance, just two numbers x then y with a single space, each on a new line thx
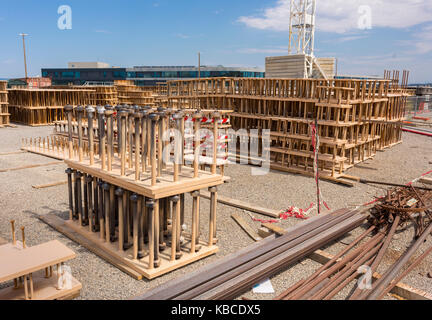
88 65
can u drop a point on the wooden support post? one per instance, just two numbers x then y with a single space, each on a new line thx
23 238
80 112
90 115
197 141
134 199
102 137
68 109
157 260
138 116
119 193
178 144
212 219
154 119
174 225
151 232
13 232
110 143
216 117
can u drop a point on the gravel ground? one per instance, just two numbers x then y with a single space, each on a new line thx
275 190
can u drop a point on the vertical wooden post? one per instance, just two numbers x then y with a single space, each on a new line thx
80 111
212 219
151 232
216 117
90 114
154 119
110 143
102 137
138 116
13 232
178 144
197 141
69 109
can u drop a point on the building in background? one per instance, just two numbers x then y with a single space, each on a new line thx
151 75
80 73
35 82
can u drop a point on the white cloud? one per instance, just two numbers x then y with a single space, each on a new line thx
9 61
103 31
264 50
421 42
183 36
342 16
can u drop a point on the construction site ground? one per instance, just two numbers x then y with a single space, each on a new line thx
276 190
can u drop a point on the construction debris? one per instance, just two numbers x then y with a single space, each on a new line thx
399 207
237 273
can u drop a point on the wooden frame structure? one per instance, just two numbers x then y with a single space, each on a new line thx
31 269
355 117
127 199
4 110
130 94
39 107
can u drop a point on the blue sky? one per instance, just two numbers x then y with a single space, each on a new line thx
231 33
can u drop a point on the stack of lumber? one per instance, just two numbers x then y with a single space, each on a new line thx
38 107
130 94
235 274
4 111
103 95
355 117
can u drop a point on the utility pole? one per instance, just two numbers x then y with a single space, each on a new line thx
24 48
199 65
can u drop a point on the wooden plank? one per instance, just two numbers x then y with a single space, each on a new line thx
31 166
11 153
246 227
264 232
311 174
23 262
49 185
274 228
141 266
426 181
59 225
401 289
243 205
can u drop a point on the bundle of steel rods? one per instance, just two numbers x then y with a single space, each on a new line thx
399 207
231 276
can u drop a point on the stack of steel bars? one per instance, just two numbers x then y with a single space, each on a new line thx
399 207
233 275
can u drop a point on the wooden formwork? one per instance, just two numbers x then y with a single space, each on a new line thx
128 196
4 110
103 95
38 107
355 117
130 94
